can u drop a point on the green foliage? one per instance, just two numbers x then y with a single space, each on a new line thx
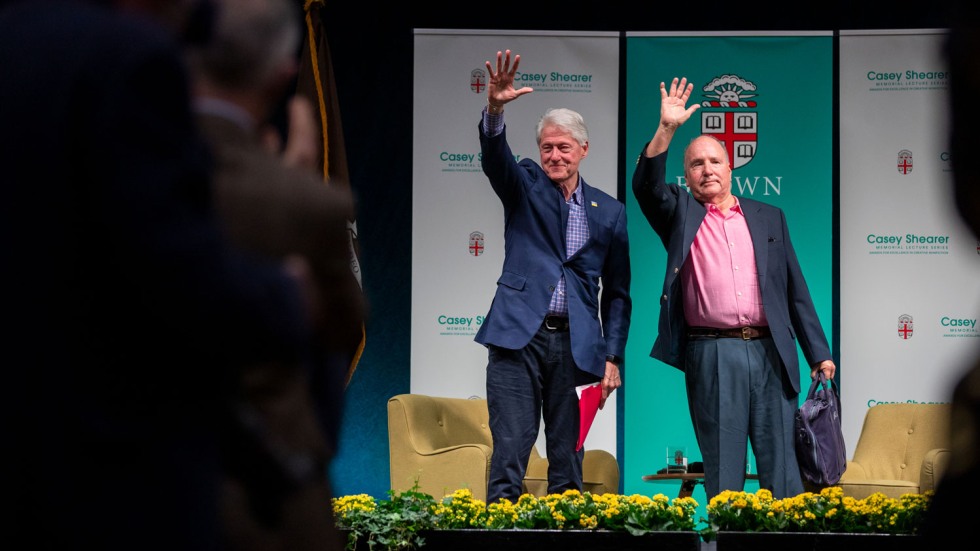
391 525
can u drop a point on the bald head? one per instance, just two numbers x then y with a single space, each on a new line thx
707 171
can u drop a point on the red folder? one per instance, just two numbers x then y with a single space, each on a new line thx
588 405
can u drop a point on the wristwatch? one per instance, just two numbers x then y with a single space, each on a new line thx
612 358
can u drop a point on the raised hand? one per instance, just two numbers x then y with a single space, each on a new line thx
673 110
501 89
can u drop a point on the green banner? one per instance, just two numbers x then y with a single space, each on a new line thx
769 96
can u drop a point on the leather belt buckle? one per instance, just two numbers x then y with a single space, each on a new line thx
746 333
555 323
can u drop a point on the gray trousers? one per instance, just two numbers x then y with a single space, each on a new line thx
737 394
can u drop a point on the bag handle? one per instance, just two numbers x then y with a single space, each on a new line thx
817 384
825 386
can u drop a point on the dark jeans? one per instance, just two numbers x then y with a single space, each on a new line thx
524 386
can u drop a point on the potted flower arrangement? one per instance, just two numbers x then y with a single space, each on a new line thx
736 520
411 519
393 524
741 520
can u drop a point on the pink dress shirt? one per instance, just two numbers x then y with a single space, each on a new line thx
719 280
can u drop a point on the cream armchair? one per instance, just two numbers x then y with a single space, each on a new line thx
444 444
902 449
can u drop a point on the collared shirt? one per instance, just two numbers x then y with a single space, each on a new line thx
719 280
576 234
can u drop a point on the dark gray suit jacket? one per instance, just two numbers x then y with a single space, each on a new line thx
676 216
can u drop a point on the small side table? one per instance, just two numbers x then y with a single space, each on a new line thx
688 480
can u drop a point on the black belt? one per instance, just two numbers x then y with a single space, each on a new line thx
556 323
746 333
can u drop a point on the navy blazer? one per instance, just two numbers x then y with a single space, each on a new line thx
676 216
535 215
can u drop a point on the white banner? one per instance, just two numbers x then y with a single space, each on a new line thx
457 221
908 267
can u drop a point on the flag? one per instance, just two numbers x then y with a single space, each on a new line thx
316 82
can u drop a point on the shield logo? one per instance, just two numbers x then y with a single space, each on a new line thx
905 327
729 115
904 161
476 243
478 81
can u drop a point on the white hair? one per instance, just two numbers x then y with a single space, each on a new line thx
570 121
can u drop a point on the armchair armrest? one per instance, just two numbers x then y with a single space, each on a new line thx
443 470
934 466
